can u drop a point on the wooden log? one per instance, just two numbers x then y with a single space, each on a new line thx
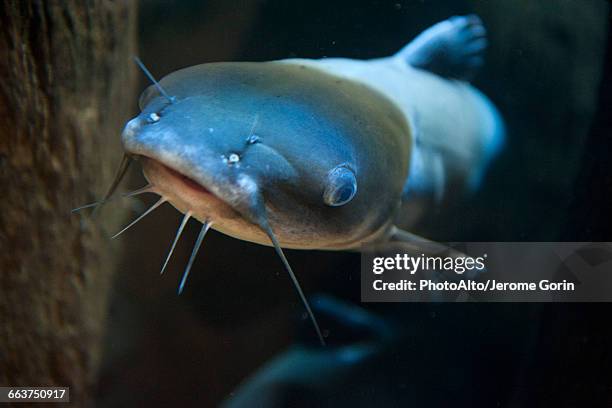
67 85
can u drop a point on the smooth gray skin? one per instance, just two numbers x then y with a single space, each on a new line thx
307 122
264 138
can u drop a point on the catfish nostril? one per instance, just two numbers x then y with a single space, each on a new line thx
252 139
153 117
233 158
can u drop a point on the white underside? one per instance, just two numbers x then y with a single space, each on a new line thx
449 118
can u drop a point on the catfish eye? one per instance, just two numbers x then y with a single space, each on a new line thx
341 186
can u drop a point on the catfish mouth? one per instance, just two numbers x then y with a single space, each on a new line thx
180 188
186 180
190 196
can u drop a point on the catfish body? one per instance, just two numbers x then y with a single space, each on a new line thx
289 125
318 154
322 153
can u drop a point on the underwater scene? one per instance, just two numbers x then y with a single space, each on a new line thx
268 203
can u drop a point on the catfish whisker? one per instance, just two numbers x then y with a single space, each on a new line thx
148 74
176 238
154 206
121 170
257 213
296 283
194 252
254 125
146 189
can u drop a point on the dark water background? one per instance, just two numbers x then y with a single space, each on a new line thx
549 71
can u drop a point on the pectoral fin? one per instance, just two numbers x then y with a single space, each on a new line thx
417 244
401 241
